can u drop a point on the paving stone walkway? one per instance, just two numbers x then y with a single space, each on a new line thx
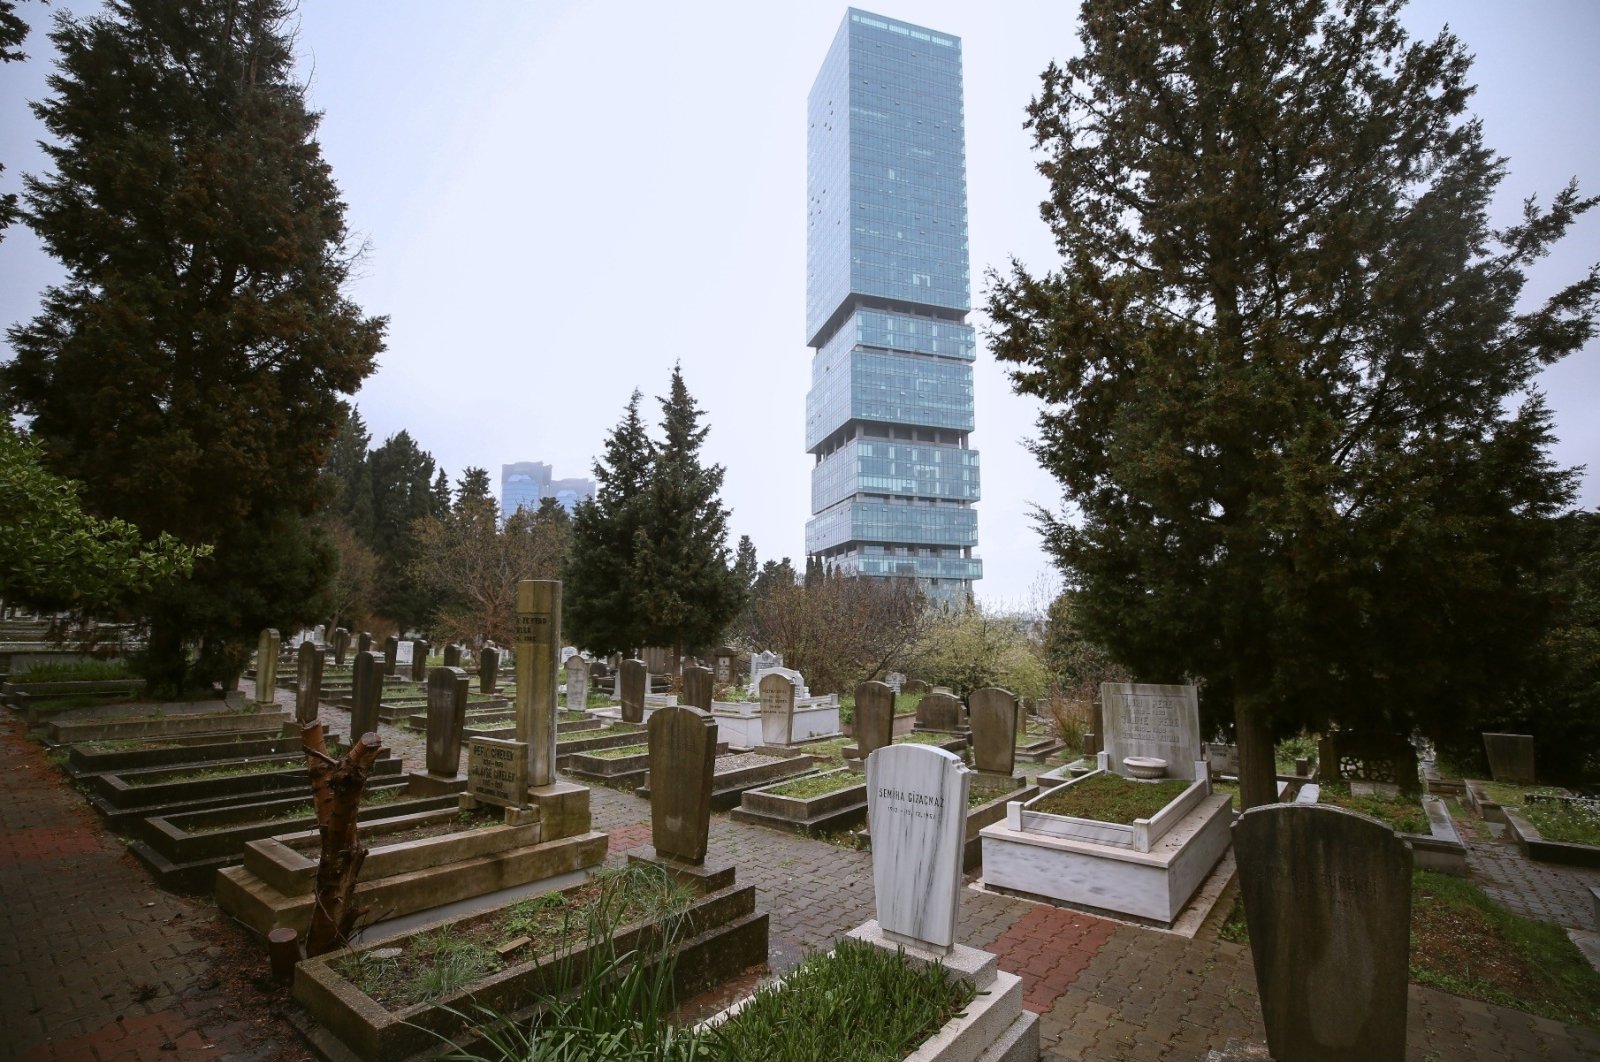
98 964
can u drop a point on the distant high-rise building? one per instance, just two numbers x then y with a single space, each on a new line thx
525 484
887 296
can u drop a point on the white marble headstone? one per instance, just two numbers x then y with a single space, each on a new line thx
577 683
402 652
777 709
917 810
1142 719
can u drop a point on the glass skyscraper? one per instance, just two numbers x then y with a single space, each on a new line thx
887 296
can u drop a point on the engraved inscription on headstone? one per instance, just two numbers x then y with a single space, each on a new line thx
538 622
917 809
874 725
697 687
683 753
631 681
724 657
497 772
777 710
308 684
1144 719
994 730
447 714
1327 896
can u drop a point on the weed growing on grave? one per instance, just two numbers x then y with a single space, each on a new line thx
816 785
858 994
1571 820
1398 813
1302 746
82 671
1108 798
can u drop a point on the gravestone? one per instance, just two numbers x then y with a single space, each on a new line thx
697 687
683 753
341 645
764 661
777 710
364 642
598 670
403 651
1142 719
538 628
939 711
452 655
894 680
726 658
1368 756
497 772
488 669
994 730
874 726
308 684
447 715
391 654
917 811
267 667
658 659
914 686
419 660
632 684
366 690
577 683
1510 757
1327 897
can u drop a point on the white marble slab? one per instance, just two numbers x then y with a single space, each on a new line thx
917 810
1143 719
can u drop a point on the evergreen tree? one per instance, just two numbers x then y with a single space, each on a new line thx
348 477
473 488
440 503
402 474
745 564
13 31
1284 365
188 370
685 590
599 610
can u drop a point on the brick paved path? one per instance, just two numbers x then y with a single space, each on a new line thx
81 948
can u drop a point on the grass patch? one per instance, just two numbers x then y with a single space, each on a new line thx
1507 795
832 749
1468 945
1397 813
1303 746
1566 820
619 753
859 995
436 964
609 730
816 785
923 738
1108 798
369 799
82 671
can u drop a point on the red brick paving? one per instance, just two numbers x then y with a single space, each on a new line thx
623 838
1049 947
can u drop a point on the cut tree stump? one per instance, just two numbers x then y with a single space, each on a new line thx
336 786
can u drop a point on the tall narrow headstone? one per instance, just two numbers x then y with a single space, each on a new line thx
452 655
488 669
366 689
391 654
538 648
1510 757
1327 897
447 713
577 683
308 683
364 642
723 660
632 680
939 711
697 687
874 724
917 809
683 754
341 646
994 730
419 660
267 667
777 710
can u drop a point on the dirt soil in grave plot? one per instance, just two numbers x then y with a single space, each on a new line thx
466 820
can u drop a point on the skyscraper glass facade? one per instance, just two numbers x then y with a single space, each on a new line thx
887 295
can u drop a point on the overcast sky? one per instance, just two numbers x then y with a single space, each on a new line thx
564 198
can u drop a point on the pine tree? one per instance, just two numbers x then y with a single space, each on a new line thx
439 501
188 370
473 487
402 493
348 477
1284 366
13 31
599 611
685 590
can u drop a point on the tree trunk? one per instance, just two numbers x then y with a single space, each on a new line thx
336 786
165 664
1257 768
